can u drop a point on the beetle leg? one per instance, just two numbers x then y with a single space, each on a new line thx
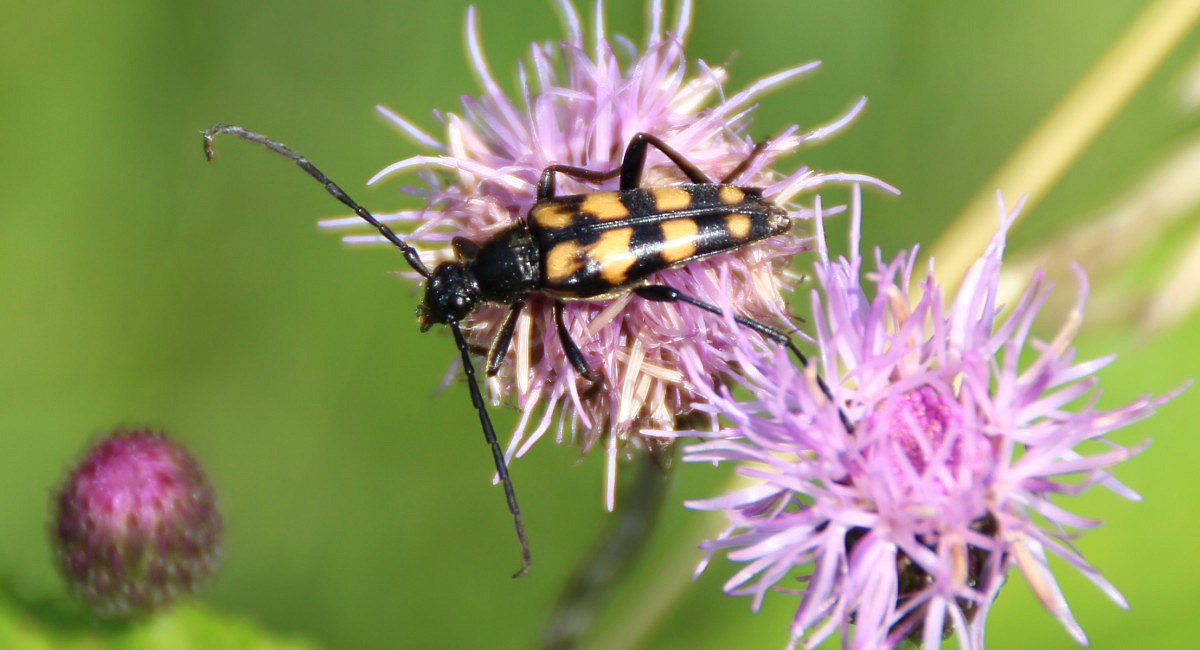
489 434
662 293
635 160
503 338
572 350
741 168
546 184
465 250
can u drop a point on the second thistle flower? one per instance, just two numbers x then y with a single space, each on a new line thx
579 106
963 431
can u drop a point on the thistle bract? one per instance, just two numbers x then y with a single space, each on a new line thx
136 525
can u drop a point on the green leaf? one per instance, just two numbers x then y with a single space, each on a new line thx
61 625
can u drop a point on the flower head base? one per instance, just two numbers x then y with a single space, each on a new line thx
137 525
580 106
906 525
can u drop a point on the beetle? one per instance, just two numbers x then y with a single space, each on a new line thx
580 247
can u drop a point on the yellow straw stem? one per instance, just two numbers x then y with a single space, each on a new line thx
1065 133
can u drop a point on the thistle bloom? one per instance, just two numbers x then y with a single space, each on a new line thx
906 524
137 525
580 106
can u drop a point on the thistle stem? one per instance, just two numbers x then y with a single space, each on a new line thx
617 548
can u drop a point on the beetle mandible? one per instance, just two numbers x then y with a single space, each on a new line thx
593 246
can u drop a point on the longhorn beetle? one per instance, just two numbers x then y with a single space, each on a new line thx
593 246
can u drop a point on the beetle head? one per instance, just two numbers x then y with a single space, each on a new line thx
450 295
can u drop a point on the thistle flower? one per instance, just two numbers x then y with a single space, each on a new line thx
580 106
906 524
137 525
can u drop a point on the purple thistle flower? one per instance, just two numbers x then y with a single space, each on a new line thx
137 525
580 106
907 526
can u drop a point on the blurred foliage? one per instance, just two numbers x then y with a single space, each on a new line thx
58 625
140 286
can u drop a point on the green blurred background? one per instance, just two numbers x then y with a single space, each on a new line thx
139 285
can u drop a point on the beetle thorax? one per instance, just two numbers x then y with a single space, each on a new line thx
505 268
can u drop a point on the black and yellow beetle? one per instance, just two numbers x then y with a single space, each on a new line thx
592 246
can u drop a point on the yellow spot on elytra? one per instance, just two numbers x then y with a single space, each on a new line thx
669 199
679 239
613 254
731 195
552 215
604 206
563 260
738 225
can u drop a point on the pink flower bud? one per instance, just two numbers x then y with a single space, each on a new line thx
136 525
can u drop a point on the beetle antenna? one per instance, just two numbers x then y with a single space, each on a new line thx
489 434
411 255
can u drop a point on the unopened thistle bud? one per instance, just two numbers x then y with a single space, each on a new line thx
136 525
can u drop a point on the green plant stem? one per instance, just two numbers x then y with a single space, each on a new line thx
640 615
618 547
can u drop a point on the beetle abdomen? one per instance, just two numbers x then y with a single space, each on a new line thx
594 245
